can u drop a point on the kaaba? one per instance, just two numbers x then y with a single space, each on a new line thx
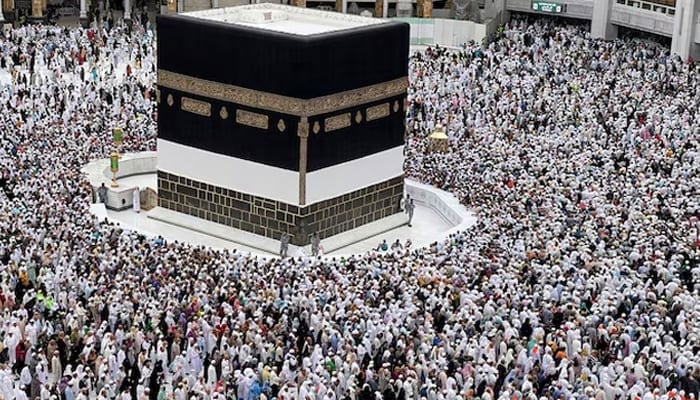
277 119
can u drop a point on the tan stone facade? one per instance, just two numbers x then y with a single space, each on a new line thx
196 5
378 8
271 218
424 8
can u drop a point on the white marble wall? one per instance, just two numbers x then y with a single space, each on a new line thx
448 32
443 203
229 172
685 41
336 180
645 20
136 164
601 27
121 197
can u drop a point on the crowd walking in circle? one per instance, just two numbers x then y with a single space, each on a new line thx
579 280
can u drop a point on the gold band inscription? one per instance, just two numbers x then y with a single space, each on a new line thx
195 106
278 103
337 122
249 118
377 112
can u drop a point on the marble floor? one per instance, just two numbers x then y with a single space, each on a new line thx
129 219
427 227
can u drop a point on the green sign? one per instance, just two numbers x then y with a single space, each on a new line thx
547 7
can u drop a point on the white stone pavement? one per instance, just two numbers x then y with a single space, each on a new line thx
429 224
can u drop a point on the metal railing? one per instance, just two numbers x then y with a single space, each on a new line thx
663 7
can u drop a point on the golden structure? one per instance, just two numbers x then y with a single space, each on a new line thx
37 8
118 138
278 103
8 6
424 8
379 8
438 140
114 167
427 8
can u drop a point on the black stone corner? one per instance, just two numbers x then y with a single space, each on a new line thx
300 233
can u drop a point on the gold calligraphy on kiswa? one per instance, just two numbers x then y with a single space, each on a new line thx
253 119
337 122
195 106
378 111
282 104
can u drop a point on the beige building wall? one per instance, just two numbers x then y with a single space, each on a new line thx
196 5
232 3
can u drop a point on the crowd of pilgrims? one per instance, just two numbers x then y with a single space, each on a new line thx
579 281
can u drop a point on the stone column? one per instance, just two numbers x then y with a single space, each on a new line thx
404 8
684 29
214 3
338 5
2 13
345 7
303 133
300 3
427 11
378 8
127 12
601 28
8 6
385 9
37 11
496 9
84 20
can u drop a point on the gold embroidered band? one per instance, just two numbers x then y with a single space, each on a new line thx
378 111
195 106
337 122
249 118
282 104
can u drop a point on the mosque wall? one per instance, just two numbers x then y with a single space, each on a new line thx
232 3
196 5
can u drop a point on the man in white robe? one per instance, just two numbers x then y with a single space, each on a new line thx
137 199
